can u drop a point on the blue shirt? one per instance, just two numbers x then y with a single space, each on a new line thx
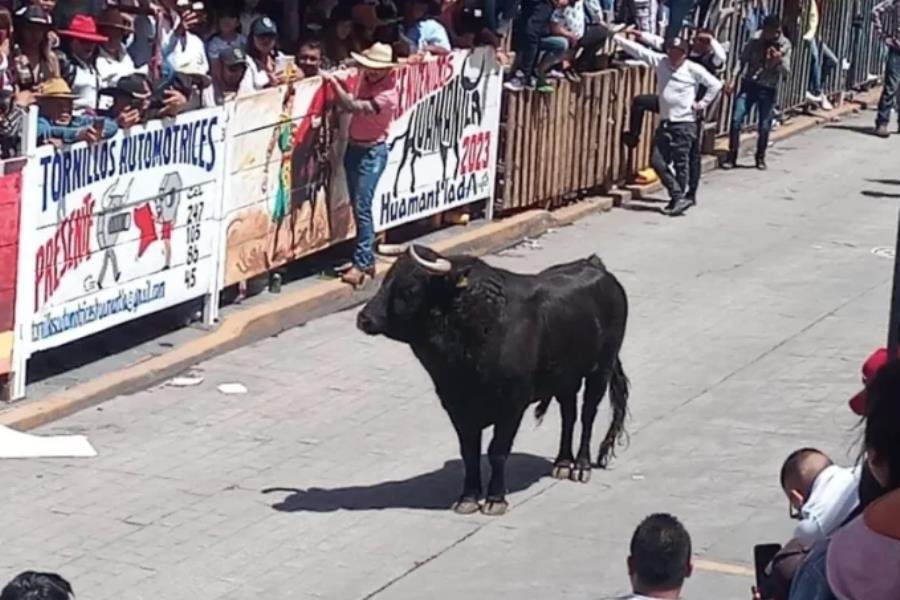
427 32
69 133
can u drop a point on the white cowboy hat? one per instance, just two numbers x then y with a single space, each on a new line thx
379 56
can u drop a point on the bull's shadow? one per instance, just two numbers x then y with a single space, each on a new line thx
436 490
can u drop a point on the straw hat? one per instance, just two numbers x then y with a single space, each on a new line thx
55 88
378 56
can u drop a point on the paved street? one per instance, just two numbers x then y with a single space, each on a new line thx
330 479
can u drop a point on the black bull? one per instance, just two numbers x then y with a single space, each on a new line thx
494 342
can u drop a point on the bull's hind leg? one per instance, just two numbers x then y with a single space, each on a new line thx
564 465
593 395
498 452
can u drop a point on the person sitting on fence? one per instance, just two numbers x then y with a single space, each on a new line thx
707 52
678 82
31 585
422 31
130 99
642 14
659 558
56 123
532 41
373 109
582 25
890 94
765 61
821 58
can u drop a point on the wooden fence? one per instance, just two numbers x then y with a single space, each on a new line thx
558 147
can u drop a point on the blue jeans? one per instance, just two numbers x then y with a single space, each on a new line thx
821 61
553 49
891 87
679 11
752 94
364 166
810 582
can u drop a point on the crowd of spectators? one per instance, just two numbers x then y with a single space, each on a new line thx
106 65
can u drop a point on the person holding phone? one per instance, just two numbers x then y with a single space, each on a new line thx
80 42
262 57
58 125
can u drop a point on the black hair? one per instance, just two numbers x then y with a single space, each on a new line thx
310 41
792 462
660 552
31 585
771 21
883 419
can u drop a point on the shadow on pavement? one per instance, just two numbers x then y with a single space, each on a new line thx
864 129
436 490
885 181
874 194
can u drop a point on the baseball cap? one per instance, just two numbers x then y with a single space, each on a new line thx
132 86
263 26
233 56
873 364
678 43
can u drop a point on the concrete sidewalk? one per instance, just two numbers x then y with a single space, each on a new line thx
330 479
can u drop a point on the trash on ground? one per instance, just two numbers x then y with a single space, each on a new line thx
18 444
231 389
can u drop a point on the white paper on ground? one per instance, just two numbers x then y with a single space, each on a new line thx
233 388
16 444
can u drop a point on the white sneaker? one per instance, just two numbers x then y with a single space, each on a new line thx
826 104
514 85
555 74
813 98
845 65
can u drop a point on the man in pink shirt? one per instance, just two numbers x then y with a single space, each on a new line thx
374 108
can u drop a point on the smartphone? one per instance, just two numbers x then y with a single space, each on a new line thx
762 557
98 126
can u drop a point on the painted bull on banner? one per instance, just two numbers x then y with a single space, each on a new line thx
437 123
494 342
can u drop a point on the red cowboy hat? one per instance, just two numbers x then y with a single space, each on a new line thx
83 27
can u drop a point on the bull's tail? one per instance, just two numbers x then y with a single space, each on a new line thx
618 395
541 409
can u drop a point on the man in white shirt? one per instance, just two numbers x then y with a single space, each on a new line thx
659 559
677 83
822 495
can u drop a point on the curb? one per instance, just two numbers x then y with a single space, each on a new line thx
285 312
796 126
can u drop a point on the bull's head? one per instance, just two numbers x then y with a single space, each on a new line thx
418 281
471 84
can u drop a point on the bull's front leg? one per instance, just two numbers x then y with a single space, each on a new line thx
470 448
498 452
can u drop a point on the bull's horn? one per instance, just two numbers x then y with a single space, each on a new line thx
440 266
391 249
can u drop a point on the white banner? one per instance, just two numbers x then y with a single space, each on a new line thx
443 144
121 228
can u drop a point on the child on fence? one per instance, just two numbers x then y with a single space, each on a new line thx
678 81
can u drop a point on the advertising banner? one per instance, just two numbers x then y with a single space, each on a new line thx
120 228
10 195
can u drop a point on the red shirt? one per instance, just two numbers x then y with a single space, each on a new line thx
372 128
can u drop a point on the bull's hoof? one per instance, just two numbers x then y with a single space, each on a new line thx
561 470
495 508
466 506
581 474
